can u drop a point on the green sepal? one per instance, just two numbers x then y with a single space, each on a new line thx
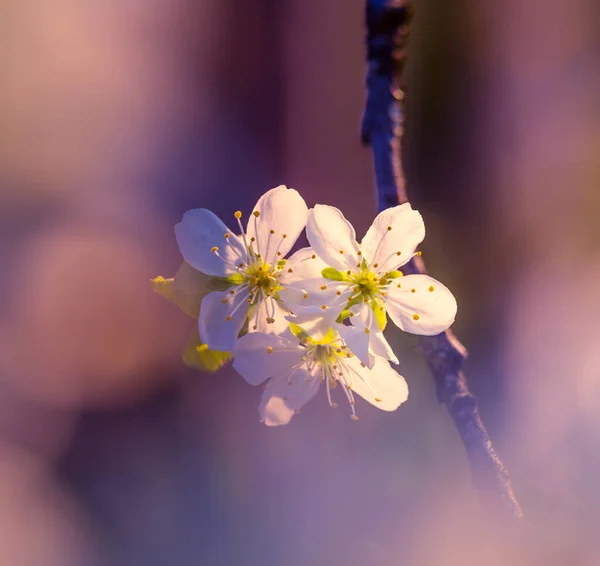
333 274
281 262
380 314
364 265
188 288
343 316
394 274
198 355
234 279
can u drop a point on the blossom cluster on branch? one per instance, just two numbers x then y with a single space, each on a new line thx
315 317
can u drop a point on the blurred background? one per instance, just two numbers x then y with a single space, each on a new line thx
115 118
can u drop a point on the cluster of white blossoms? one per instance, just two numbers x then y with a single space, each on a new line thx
318 316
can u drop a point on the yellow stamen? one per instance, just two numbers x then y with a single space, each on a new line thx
416 316
269 350
237 214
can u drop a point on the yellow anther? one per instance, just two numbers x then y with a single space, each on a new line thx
358 252
254 327
284 235
271 231
256 213
240 265
351 313
383 293
237 214
375 265
349 387
305 295
269 349
367 331
278 253
290 270
324 307
334 405
341 251
416 316
431 288
338 293
419 253
354 417
378 399
249 301
227 236
224 301
253 239
228 318
313 256
214 249
398 253
413 290
389 228
323 287
353 402
348 272
362 365
232 292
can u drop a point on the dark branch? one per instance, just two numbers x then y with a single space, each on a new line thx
387 32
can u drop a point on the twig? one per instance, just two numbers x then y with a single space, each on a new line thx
387 32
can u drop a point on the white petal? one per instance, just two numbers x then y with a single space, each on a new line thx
381 347
282 210
357 341
386 388
258 356
197 233
314 321
381 245
332 237
280 400
269 309
428 310
378 345
303 264
316 292
215 330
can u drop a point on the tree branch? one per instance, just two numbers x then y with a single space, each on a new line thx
387 32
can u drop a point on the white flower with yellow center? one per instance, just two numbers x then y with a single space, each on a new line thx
364 282
252 263
298 365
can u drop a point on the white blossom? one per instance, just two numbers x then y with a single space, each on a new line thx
363 281
296 365
252 262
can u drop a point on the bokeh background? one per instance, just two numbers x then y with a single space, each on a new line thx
115 118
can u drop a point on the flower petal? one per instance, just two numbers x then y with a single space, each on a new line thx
316 293
198 233
216 331
332 237
357 341
381 245
303 264
386 388
269 309
379 346
282 211
258 356
314 321
285 395
421 305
